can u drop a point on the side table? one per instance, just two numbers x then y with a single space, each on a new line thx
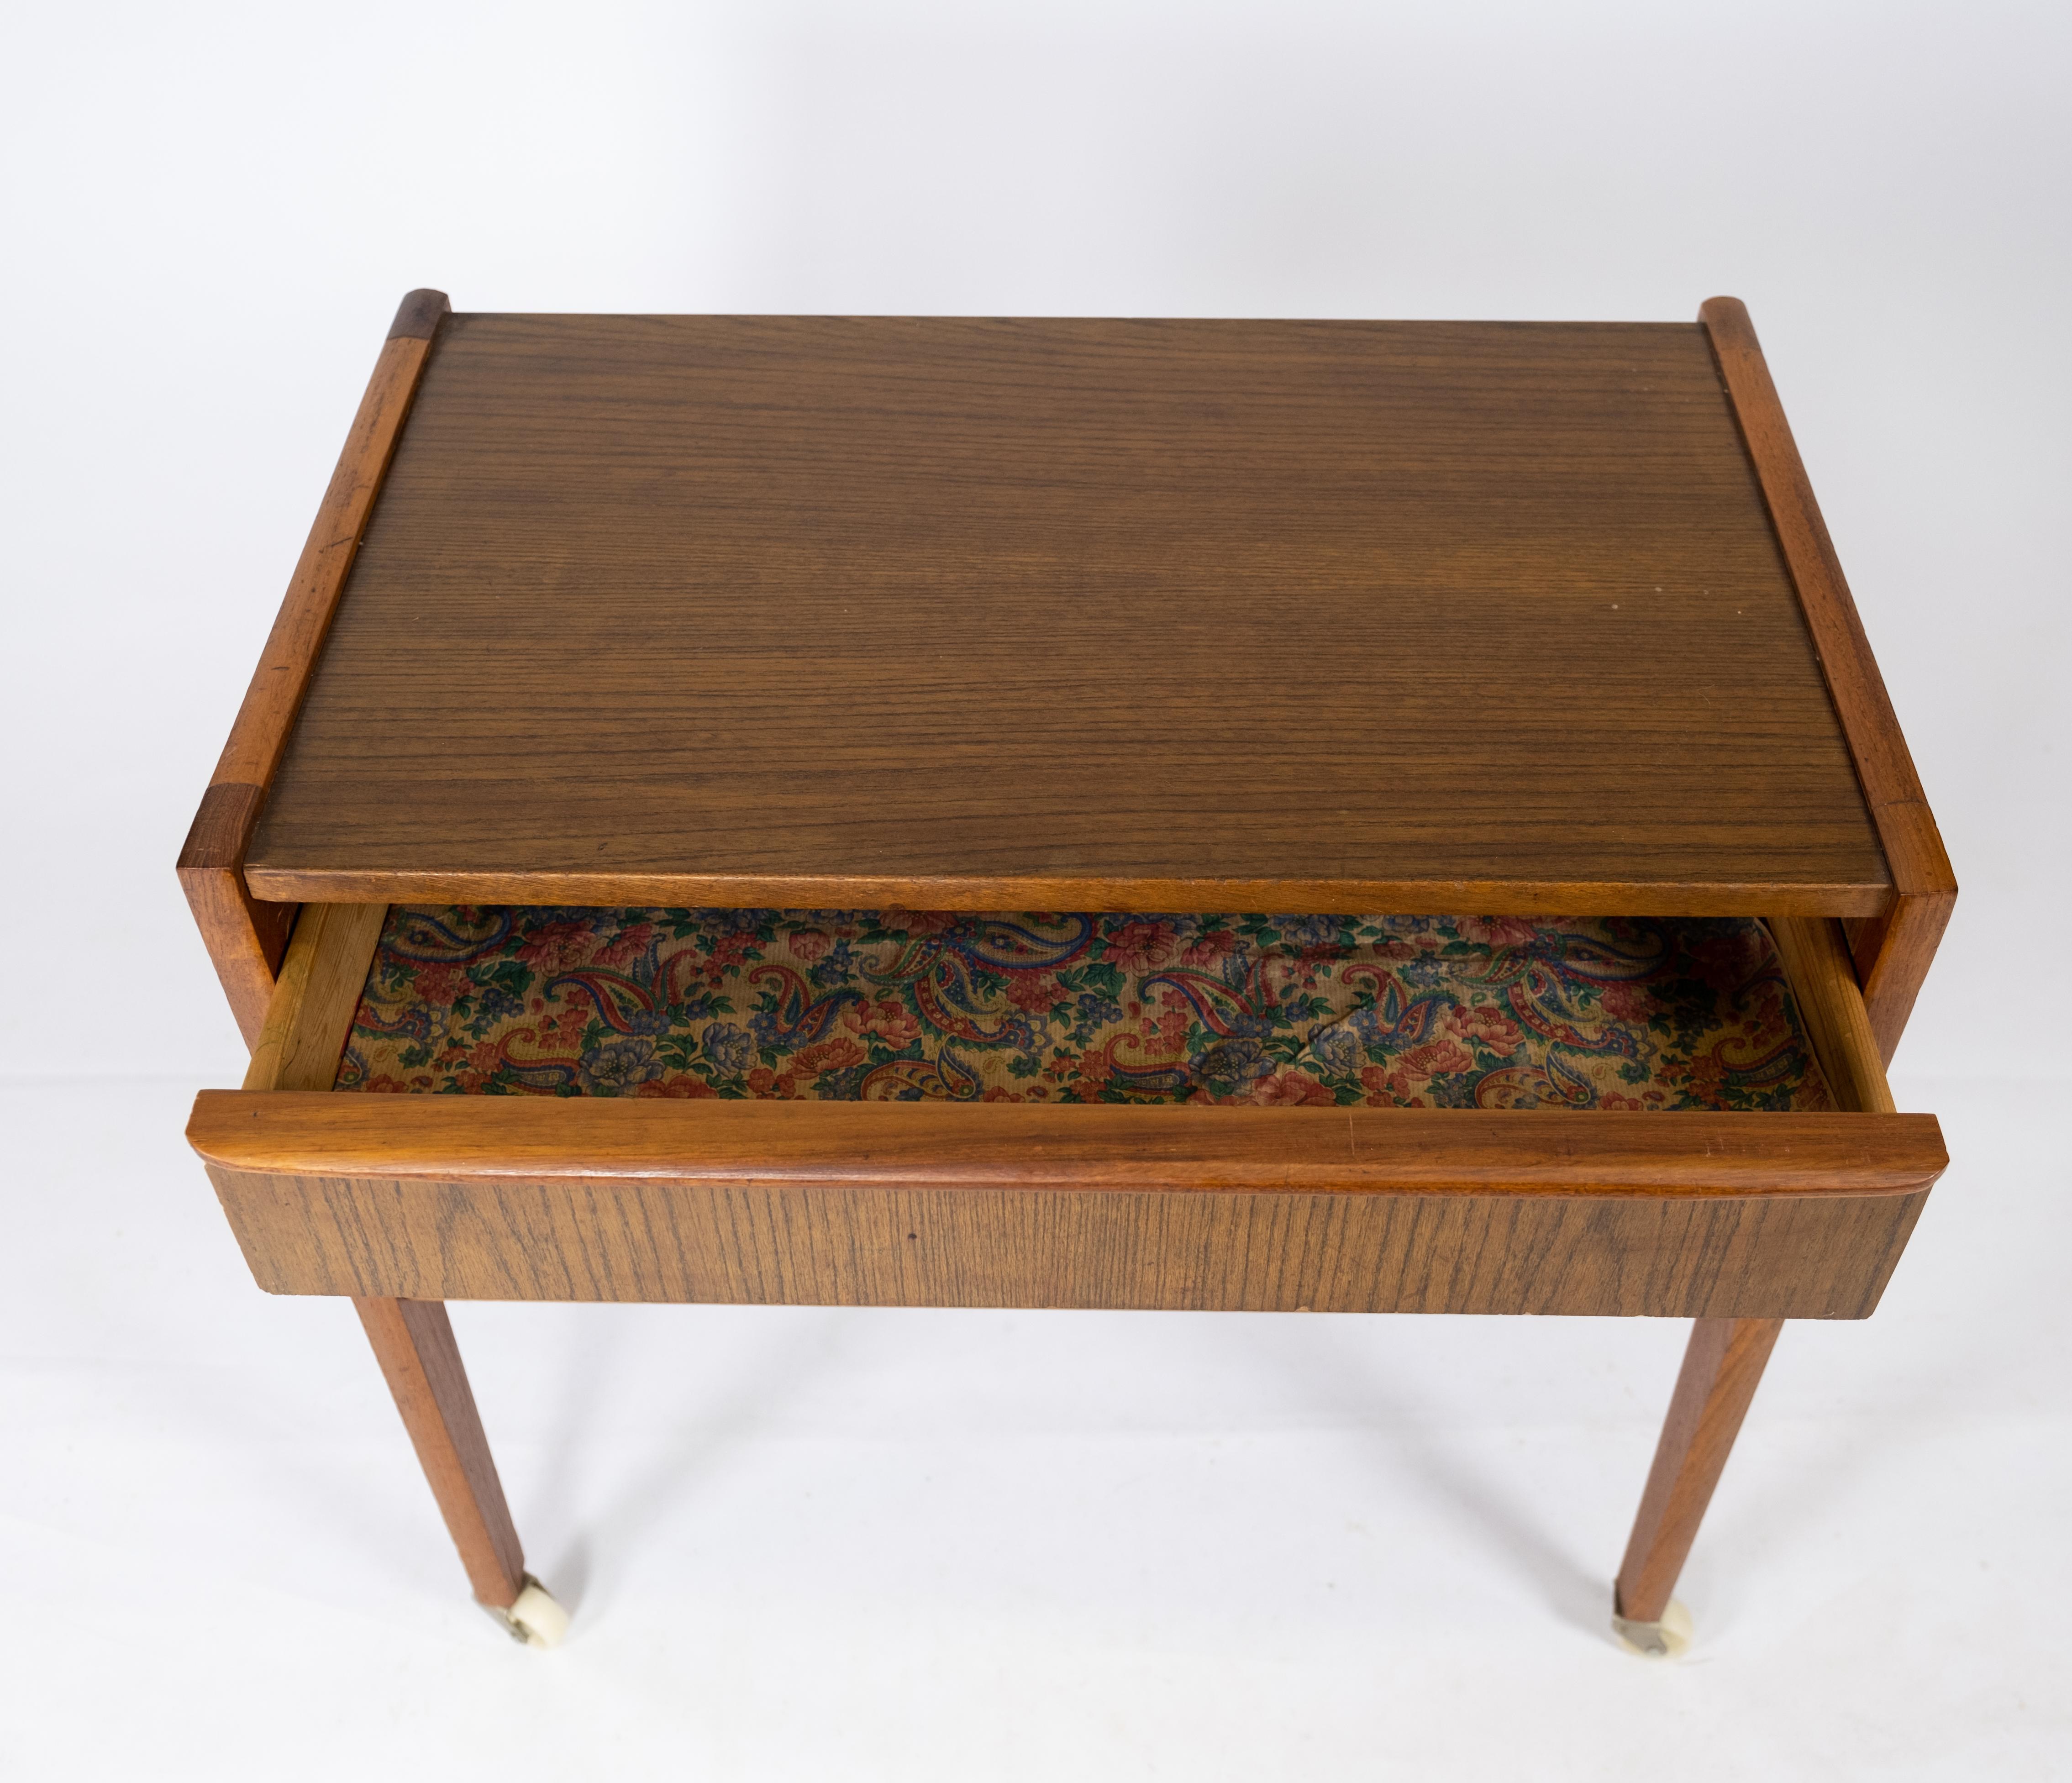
865 811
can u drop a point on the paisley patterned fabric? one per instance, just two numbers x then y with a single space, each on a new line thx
1398 1011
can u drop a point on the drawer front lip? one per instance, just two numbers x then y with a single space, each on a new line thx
948 1147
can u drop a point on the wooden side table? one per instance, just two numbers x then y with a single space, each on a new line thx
658 694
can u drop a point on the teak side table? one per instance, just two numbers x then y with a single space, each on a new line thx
665 710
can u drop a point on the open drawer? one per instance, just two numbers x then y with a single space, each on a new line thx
1682 1118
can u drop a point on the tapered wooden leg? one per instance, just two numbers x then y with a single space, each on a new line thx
413 1341
1722 1368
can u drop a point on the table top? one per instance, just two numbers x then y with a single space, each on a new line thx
1071 614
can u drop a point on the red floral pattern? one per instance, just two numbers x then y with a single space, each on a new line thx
1399 1011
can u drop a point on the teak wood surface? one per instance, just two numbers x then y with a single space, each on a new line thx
413 1342
753 1241
1072 615
298 1049
949 1147
246 935
1833 1010
310 1014
1724 1363
1894 949
1723 1366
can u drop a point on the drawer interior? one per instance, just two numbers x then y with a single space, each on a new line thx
1610 1014
898 1108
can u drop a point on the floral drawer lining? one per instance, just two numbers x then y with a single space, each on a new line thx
1395 1011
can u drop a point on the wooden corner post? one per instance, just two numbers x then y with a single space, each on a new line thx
247 936
413 1341
1724 1363
308 1022
1892 951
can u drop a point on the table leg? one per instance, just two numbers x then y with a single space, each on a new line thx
1721 1369
413 1341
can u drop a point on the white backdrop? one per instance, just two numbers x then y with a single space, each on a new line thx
212 211
215 209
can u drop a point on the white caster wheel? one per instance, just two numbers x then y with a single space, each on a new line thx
535 1619
1667 1639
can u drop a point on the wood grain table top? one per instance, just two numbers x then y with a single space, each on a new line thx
1071 614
